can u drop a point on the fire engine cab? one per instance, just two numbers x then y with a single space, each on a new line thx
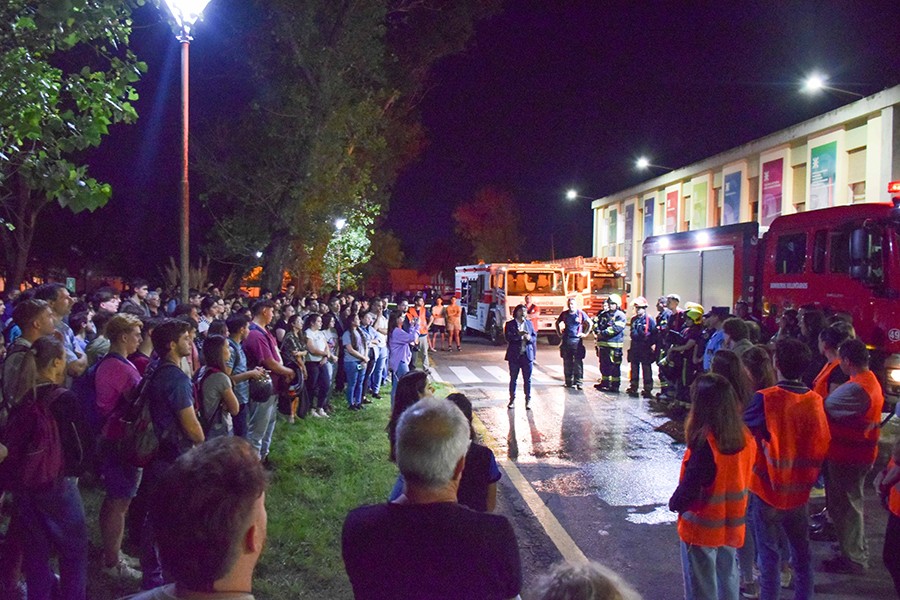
488 294
843 259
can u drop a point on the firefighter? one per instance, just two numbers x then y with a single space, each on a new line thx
641 353
609 328
663 317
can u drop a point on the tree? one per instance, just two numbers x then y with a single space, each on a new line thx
490 222
332 120
66 75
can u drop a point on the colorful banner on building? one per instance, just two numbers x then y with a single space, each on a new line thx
699 205
672 211
822 173
629 238
772 191
731 201
649 213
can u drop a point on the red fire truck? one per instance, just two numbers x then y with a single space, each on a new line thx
591 280
845 258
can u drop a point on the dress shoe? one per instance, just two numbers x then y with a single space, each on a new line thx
824 532
512 403
527 403
600 386
843 565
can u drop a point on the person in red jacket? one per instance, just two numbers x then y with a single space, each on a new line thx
791 430
854 415
711 498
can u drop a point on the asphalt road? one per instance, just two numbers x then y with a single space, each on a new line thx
596 476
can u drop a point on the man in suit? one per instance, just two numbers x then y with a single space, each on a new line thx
520 353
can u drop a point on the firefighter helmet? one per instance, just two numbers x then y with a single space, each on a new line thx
615 299
640 301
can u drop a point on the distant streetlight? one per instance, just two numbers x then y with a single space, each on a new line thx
339 225
573 195
816 83
643 163
186 13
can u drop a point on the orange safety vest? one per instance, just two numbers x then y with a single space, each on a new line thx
721 513
854 441
820 383
788 463
894 496
418 319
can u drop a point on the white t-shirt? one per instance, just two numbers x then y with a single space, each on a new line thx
316 340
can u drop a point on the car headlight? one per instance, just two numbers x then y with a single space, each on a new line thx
893 376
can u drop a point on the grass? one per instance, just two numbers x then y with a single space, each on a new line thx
324 468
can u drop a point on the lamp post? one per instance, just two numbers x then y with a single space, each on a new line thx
574 195
816 82
643 163
186 13
339 225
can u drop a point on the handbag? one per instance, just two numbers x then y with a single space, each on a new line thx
261 389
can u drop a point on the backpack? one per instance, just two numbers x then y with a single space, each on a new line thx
35 450
205 424
129 432
5 407
85 388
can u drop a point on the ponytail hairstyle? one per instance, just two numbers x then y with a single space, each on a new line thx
39 357
714 410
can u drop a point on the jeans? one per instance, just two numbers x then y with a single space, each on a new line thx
423 351
51 519
150 565
768 523
401 370
747 555
710 573
375 371
317 383
844 499
328 367
355 379
524 365
239 421
261 424
573 362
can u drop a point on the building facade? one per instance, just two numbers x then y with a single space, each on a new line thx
844 157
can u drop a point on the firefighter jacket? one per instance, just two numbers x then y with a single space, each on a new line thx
643 337
718 517
788 462
854 439
609 327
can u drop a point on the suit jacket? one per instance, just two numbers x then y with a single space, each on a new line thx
514 339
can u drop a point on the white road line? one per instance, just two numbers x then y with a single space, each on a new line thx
465 375
554 529
499 373
436 376
540 377
592 369
558 369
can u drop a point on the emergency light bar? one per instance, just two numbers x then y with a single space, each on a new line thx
894 187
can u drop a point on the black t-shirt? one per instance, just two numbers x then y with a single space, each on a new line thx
440 551
480 472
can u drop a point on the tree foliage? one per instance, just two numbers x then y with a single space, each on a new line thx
333 118
490 222
66 76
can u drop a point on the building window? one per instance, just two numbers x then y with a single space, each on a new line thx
790 254
858 192
856 175
798 190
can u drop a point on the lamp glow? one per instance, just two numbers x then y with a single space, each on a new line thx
571 194
186 12
703 237
642 163
814 83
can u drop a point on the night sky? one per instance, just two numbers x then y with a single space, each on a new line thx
551 95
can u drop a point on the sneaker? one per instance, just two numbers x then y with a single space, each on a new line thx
786 576
750 590
131 561
512 404
578 386
317 413
122 571
324 414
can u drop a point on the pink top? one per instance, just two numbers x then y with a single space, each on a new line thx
114 379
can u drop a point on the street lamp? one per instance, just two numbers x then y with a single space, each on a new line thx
643 163
339 225
816 83
573 194
186 13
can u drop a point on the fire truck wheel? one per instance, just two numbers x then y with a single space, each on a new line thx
496 333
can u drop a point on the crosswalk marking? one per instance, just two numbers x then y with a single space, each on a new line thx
465 375
558 369
539 376
592 369
499 373
436 376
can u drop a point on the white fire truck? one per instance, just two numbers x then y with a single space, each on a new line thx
488 294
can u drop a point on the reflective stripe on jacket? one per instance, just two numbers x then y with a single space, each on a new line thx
720 515
788 463
854 441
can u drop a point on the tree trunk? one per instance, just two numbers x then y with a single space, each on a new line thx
17 243
274 259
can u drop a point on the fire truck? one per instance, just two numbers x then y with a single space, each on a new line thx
591 280
844 258
488 294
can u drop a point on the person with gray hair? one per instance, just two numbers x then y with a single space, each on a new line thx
588 581
424 544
